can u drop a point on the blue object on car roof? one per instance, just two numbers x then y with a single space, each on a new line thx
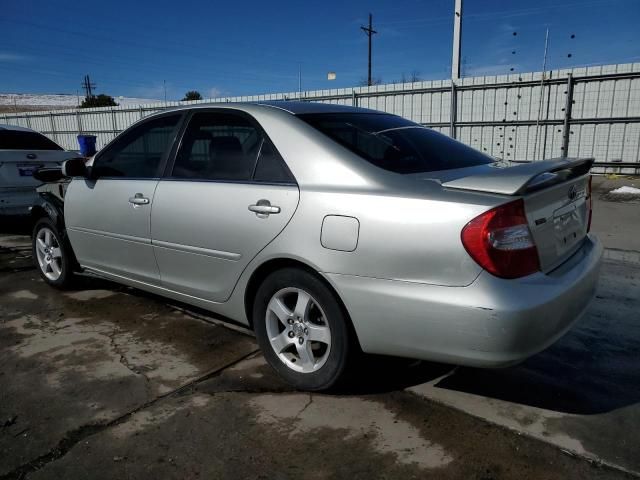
87 145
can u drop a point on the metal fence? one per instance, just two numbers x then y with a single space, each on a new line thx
586 112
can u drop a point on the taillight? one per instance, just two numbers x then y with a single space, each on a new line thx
500 241
589 201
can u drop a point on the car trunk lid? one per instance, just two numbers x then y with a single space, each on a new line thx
559 219
555 193
17 166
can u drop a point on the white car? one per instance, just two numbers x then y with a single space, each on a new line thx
22 152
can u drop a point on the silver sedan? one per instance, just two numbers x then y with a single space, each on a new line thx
332 231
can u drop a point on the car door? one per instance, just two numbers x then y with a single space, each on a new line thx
107 215
228 194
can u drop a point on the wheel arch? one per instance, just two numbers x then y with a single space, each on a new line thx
48 206
272 265
52 207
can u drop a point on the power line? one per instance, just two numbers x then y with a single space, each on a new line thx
137 63
78 55
110 80
181 49
493 16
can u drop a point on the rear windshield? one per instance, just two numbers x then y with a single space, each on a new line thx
395 144
19 140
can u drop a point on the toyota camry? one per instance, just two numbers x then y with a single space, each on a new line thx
331 230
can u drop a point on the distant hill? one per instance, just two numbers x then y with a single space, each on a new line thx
21 102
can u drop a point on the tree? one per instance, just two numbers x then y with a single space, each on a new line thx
374 81
414 76
192 95
101 100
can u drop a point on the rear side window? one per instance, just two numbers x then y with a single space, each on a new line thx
20 140
395 144
271 167
138 152
218 146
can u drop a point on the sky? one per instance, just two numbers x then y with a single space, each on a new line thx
228 48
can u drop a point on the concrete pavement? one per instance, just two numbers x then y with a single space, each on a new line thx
582 394
110 382
616 218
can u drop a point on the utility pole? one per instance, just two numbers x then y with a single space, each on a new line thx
88 86
370 32
457 41
299 80
164 86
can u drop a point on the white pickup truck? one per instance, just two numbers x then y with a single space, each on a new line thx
22 152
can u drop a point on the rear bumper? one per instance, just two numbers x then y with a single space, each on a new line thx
17 200
491 323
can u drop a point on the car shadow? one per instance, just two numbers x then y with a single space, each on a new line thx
587 372
592 370
375 374
552 382
574 376
372 374
15 225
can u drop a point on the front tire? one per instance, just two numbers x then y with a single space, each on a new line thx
52 254
302 329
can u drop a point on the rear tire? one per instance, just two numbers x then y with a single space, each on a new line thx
302 329
52 254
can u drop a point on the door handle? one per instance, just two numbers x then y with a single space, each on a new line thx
138 199
263 208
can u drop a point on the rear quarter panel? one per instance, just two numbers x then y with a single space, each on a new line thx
409 228
412 239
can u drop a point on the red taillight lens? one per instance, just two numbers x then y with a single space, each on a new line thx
589 201
501 242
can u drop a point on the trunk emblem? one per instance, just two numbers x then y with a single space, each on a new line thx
573 192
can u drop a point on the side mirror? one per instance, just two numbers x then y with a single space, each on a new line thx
75 167
48 174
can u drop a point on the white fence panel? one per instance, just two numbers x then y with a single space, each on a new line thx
508 116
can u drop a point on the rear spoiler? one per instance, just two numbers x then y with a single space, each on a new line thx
524 178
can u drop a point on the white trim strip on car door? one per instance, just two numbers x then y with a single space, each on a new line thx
119 236
197 250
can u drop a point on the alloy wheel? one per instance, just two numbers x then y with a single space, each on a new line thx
298 330
49 254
